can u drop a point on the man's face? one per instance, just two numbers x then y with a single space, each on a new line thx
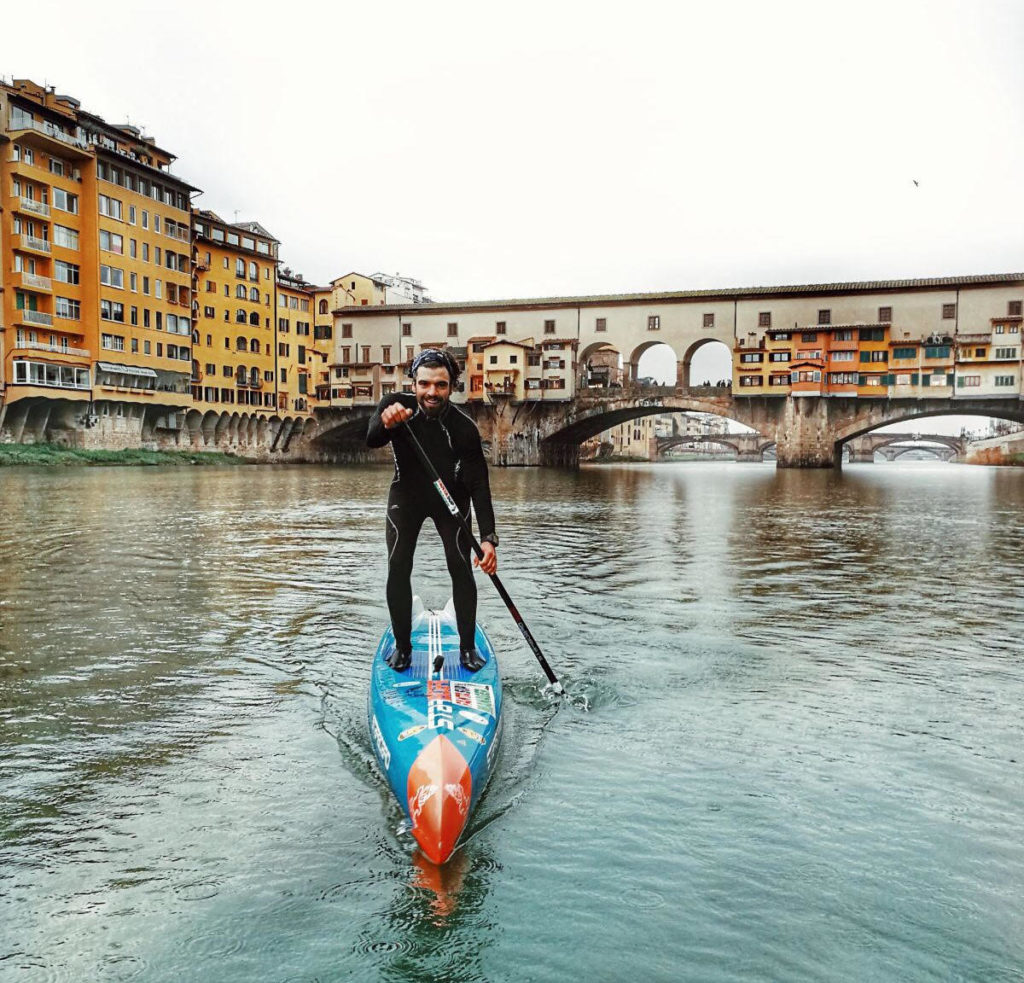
433 388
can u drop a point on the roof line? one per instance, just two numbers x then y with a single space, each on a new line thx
728 293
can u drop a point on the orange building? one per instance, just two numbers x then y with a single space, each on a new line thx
97 244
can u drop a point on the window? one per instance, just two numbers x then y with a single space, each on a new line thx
240 292
936 351
874 356
145 285
601 324
842 356
904 353
980 352
64 200
283 325
57 167
750 380
1014 308
112 242
134 314
885 315
748 358
145 320
1005 380
385 354
780 356
871 334
825 315
453 329
968 381
346 331
843 334
764 319
64 237
808 336
111 207
111 311
366 354
1006 353
948 312
111 276
112 342
653 322
843 378
499 327
67 308
549 327
65 272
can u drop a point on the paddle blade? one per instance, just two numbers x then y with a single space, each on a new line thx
439 790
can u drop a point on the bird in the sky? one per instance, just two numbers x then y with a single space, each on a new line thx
916 185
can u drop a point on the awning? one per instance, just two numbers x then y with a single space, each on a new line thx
125 369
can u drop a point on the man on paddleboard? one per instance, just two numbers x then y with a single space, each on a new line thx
452 441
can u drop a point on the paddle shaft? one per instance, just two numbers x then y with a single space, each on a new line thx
479 550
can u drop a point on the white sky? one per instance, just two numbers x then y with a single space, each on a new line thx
545 148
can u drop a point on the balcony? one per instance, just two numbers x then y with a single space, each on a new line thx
32 281
38 346
40 133
175 233
32 207
32 244
34 317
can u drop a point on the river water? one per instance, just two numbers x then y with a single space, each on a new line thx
793 748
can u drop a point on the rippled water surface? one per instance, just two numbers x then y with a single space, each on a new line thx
793 749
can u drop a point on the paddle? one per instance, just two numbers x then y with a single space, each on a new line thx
478 549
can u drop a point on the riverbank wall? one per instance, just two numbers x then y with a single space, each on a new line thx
1002 451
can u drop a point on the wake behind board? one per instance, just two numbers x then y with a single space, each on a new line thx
435 732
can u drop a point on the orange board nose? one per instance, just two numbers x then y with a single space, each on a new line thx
439 791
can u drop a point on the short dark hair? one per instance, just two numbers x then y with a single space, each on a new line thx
436 358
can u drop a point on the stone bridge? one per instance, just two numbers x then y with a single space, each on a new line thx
748 446
808 431
891 445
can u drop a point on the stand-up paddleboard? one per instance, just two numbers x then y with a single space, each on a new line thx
435 728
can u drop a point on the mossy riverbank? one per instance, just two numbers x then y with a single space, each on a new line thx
53 455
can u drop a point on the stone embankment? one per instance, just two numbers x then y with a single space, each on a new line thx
1004 451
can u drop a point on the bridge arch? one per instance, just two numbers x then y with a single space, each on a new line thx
888 414
701 345
649 345
938 452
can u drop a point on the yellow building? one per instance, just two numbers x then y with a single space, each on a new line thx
357 290
235 362
97 271
301 355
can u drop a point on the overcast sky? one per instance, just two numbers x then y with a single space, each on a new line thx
550 148
546 148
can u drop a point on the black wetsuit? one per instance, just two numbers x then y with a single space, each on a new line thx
452 443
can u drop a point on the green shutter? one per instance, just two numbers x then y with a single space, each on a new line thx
865 356
913 378
926 378
950 378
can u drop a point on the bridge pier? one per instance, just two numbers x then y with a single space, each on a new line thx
862 451
805 437
749 457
